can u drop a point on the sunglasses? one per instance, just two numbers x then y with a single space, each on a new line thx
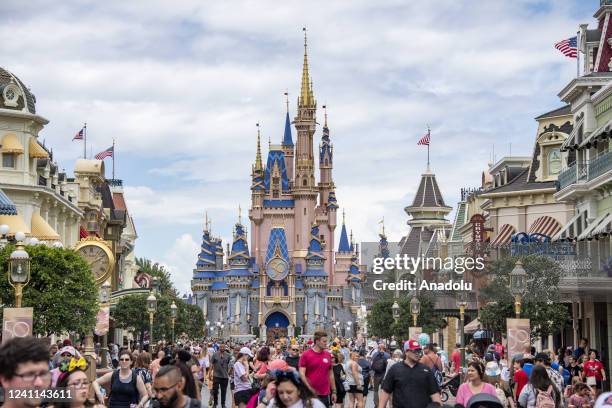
125 359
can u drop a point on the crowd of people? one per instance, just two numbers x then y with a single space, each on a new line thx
317 373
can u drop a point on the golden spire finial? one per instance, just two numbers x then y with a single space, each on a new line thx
239 214
258 165
306 98
351 236
343 219
383 225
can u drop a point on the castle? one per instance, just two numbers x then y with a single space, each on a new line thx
292 281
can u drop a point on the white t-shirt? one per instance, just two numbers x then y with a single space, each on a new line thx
239 371
300 404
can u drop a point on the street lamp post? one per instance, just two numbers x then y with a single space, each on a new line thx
518 283
19 268
415 309
105 295
461 303
173 313
151 308
4 230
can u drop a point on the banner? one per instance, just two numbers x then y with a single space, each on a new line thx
518 336
17 322
102 321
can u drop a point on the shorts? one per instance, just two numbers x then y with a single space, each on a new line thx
340 397
242 397
353 390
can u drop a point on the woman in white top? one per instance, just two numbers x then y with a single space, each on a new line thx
354 378
289 391
242 383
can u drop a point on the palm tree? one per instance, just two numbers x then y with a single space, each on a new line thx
156 270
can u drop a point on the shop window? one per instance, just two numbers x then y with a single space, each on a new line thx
8 160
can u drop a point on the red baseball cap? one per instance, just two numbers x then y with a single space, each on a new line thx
412 345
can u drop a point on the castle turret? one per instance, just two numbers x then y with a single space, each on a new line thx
305 190
325 165
315 283
343 256
288 145
239 279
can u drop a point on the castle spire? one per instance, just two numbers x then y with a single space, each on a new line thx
344 245
325 110
258 164
287 137
306 94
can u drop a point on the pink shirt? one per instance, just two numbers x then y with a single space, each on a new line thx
318 366
465 393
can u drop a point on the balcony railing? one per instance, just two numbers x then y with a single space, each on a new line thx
585 171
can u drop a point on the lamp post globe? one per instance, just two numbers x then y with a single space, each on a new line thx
415 309
173 314
105 292
395 309
151 308
518 285
19 268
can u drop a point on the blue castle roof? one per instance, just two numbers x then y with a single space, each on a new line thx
277 244
276 157
326 150
287 138
314 258
383 246
332 202
239 256
207 257
354 272
218 286
344 245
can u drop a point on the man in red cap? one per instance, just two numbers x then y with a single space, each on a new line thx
412 384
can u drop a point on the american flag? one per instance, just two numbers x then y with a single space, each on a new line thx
425 139
568 47
79 135
106 153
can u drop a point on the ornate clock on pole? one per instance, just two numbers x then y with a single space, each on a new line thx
99 255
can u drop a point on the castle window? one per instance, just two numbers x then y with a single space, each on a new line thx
274 193
554 162
304 182
304 211
8 160
275 180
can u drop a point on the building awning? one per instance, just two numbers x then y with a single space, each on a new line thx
36 150
503 236
42 230
573 227
571 142
600 133
545 225
588 231
472 326
10 144
15 223
604 227
7 206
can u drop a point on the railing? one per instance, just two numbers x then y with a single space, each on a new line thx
585 171
42 181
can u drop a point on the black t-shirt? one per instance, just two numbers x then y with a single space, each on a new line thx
574 370
412 387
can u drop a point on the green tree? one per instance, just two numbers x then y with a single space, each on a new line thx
62 290
381 322
540 303
166 287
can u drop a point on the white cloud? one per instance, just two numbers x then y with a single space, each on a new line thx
181 87
180 260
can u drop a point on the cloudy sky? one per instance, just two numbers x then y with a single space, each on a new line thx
180 85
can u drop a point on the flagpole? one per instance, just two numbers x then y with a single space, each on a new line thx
428 143
578 54
85 141
113 158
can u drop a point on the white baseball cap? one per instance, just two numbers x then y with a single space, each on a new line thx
247 351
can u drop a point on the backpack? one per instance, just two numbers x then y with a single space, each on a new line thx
437 373
379 363
545 399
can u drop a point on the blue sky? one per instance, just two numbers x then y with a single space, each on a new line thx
181 86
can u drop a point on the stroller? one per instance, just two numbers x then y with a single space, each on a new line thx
449 387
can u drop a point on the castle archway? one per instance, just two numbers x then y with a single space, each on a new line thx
277 324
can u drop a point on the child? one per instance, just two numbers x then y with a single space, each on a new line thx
581 398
